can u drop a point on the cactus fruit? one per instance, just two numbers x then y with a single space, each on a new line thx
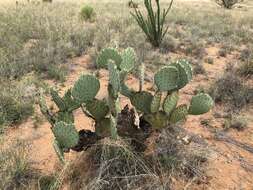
86 88
200 104
106 55
166 79
65 134
170 102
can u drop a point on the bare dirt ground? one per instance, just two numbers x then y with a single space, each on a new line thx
231 164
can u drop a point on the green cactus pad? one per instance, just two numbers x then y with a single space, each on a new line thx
128 60
106 55
58 100
179 114
65 134
157 120
98 109
114 77
187 67
142 101
58 151
166 79
70 103
155 104
86 88
200 104
64 116
170 102
103 128
185 72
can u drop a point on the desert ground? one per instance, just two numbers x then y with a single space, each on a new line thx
48 45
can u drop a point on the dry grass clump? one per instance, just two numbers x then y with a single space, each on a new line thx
115 165
231 90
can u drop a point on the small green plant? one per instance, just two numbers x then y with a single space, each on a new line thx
87 13
154 24
228 4
236 122
153 109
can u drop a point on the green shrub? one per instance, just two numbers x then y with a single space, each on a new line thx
246 68
87 13
154 24
236 122
231 90
16 102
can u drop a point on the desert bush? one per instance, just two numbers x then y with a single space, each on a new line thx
15 169
236 122
47 1
87 13
16 102
154 25
231 90
154 113
246 68
228 4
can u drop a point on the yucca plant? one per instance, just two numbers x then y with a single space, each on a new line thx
153 25
158 110
228 4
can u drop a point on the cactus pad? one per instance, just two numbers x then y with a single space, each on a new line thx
104 128
128 60
98 109
86 88
166 79
170 102
179 114
200 104
155 104
65 134
58 100
58 151
70 103
185 72
106 55
114 78
64 116
158 120
142 101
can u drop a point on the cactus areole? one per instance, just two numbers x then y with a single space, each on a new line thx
159 109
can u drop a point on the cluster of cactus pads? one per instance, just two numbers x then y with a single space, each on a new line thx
160 109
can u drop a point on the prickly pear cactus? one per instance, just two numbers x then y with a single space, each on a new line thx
86 88
106 55
166 79
200 104
65 134
159 109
